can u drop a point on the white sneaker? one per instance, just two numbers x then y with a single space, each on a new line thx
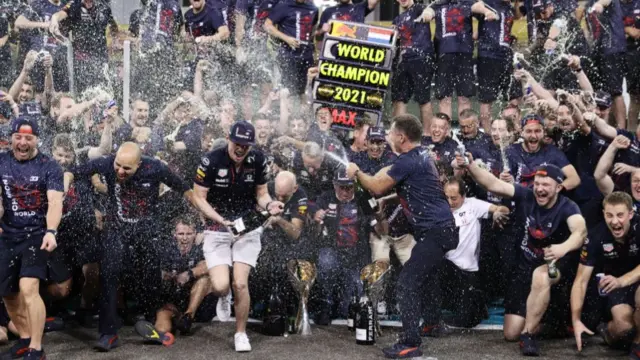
242 342
382 308
223 309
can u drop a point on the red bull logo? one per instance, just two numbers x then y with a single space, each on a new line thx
342 30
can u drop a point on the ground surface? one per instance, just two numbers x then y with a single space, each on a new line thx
215 341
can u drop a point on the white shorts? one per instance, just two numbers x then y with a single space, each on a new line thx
381 247
221 248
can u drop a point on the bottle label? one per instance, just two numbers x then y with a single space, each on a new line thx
239 225
373 203
361 335
350 323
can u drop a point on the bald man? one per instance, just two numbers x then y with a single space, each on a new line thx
131 231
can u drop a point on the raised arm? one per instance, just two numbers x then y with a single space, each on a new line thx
572 180
378 184
601 174
485 179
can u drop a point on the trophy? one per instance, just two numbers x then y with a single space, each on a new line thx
375 275
302 274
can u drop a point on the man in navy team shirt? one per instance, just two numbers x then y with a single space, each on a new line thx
613 248
346 10
204 23
554 230
414 63
234 180
418 186
440 144
604 20
295 23
377 156
32 191
133 183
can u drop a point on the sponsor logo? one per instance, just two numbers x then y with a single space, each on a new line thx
34 178
333 206
607 247
205 161
223 172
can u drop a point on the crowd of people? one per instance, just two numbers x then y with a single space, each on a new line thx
223 170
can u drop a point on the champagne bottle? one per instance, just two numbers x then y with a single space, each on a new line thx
367 203
365 323
275 320
353 312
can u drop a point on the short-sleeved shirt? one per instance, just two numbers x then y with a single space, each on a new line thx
601 250
344 221
543 227
467 218
494 37
346 12
370 165
78 202
296 20
583 152
296 208
186 162
414 38
631 18
205 23
135 199
89 29
161 23
523 164
232 191
607 29
173 260
257 12
453 27
445 151
24 194
479 144
45 10
420 191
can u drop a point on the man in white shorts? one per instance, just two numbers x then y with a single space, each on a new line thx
237 174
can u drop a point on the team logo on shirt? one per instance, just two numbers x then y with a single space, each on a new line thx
223 172
333 206
607 247
205 161
34 178
633 249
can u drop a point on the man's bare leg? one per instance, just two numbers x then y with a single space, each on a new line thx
201 288
426 113
241 294
30 290
538 299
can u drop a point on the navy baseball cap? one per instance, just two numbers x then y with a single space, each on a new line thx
24 125
376 133
243 133
551 171
531 119
539 6
603 99
341 178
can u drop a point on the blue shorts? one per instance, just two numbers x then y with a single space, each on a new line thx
293 70
412 78
21 258
455 73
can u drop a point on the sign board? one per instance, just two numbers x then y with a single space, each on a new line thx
363 32
354 74
348 95
347 117
356 52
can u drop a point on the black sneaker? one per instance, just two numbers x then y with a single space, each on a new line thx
529 345
107 342
151 335
33 354
634 353
184 324
53 323
322 318
402 351
436 331
17 350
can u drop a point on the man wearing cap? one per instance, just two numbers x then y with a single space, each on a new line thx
525 157
344 249
130 231
603 104
32 191
418 186
554 230
238 175
377 155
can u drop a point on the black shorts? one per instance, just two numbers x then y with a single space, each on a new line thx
633 72
57 269
515 301
625 295
495 79
21 258
609 71
294 72
413 78
455 73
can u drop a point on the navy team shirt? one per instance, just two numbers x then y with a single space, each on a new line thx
479 144
631 18
445 151
607 29
296 20
601 250
136 198
88 27
346 12
24 194
232 191
494 37
543 227
523 164
44 10
205 23
583 152
414 39
370 165
453 27
318 182
161 23
256 12
78 203
173 260
420 190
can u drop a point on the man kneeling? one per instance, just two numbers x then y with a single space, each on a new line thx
184 285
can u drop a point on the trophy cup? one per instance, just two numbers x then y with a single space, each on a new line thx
302 275
375 275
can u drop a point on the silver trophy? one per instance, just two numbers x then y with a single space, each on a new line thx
375 276
302 274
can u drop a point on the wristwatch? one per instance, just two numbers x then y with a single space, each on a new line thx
51 231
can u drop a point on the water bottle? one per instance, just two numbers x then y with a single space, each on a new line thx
353 312
365 323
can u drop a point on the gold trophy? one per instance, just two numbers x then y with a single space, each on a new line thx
375 275
302 274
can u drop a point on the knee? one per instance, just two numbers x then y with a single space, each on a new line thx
240 286
29 288
60 291
540 280
511 334
220 287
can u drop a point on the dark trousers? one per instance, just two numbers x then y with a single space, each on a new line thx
459 289
129 258
419 276
338 280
